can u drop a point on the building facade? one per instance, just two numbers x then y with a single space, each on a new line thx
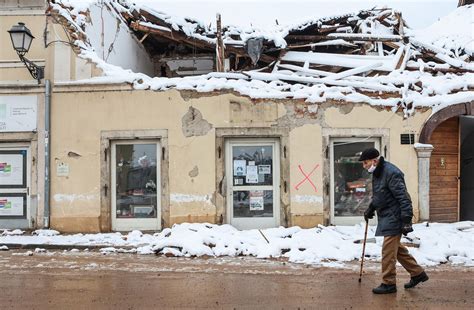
84 153
22 132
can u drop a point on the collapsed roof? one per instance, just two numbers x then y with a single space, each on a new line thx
369 56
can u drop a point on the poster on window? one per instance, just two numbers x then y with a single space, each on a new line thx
240 167
252 175
11 170
12 206
256 200
264 169
18 113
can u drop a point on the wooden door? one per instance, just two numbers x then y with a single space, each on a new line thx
444 172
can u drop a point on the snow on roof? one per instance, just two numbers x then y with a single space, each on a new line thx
248 13
454 31
377 59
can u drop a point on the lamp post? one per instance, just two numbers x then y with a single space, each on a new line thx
21 40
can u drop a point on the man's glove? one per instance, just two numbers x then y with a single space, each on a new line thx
406 228
369 213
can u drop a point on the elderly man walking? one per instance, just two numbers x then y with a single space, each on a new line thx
394 213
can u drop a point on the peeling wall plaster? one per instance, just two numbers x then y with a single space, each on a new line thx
190 198
307 199
74 197
194 124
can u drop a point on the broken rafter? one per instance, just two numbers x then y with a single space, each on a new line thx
350 72
219 46
454 62
297 69
398 58
442 70
382 18
400 23
172 35
155 19
365 37
330 29
263 76
343 60
144 37
403 61
180 37
345 36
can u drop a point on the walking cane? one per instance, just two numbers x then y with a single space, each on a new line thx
363 250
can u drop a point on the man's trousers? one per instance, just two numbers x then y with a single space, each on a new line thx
393 250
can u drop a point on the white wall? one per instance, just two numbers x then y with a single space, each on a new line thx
126 51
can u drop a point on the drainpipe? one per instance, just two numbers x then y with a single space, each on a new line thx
47 181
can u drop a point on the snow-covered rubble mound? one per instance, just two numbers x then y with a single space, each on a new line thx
431 244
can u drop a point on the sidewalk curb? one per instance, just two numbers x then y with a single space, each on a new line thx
20 246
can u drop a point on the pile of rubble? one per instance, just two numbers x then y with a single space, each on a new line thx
370 56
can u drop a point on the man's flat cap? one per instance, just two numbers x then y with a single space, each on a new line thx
370 153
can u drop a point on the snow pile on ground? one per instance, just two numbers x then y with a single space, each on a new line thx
16 232
46 232
330 246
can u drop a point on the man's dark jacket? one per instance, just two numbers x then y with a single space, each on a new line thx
390 199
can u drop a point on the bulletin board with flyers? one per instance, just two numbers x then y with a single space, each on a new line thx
12 168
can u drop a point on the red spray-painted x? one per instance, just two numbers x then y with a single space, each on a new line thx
306 177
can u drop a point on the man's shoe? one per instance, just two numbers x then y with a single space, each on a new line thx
385 289
422 277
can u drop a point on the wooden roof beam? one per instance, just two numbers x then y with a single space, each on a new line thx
345 36
180 37
173 36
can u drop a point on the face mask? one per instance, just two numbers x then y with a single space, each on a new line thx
371 169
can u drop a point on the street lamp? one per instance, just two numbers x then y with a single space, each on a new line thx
21 39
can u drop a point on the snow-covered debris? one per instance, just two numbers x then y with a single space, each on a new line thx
45 232
27 253
108 250
16 232
4 248
134 235
418 69
145 250
431 244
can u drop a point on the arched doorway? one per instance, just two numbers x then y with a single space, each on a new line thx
451 132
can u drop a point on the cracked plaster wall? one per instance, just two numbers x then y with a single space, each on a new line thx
192 144
194 124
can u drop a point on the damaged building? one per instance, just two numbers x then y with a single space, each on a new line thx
144 119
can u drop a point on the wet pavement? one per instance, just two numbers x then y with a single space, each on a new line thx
91 280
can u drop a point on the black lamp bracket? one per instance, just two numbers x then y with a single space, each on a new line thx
36 71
